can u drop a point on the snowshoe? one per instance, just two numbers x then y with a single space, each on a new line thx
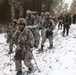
19 73
41 49
50 47
31 70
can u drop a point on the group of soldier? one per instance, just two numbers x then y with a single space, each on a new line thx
64 22
24 33
74 19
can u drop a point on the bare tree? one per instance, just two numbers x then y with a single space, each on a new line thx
21 9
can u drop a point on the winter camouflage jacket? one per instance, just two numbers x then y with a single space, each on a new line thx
49 24
30 20
25 37
10 31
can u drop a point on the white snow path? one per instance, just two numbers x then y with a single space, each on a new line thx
61 62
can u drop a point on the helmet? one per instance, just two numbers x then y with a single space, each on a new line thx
21 21
28 12
42 13
47 13
14 20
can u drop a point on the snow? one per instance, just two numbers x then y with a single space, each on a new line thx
69 2
61 60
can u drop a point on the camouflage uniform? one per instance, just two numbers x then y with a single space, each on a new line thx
74 19
66 23
11 29
27 36
42 18
30 20
48 27
37 19
24 40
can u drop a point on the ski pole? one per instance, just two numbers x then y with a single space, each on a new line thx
36 63
10 63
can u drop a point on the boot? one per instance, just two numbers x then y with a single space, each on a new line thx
41 49
63 35
66 34
51 46
30 70
19 73
10 52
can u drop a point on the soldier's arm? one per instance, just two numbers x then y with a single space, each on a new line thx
16 36
31 38
33 20
44 24
53 24
70 20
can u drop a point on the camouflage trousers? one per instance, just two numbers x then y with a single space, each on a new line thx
43 34
37 37
27 61
11 45
66 28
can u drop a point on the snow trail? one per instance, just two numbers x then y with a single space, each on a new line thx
61 62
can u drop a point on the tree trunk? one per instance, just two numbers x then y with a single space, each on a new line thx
21 8
12 11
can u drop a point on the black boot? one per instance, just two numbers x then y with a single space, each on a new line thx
19 73
63 34
66 34
51 46
41 49
10 52
30 70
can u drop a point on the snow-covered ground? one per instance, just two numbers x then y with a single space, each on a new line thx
60 62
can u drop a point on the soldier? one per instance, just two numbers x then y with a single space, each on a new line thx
70 18
66 23
60 21
74 19
42 18
37 19
47 33
30 20
54 19
11 29
24 41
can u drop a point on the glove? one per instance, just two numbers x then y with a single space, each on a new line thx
8 32
22 42
25 43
